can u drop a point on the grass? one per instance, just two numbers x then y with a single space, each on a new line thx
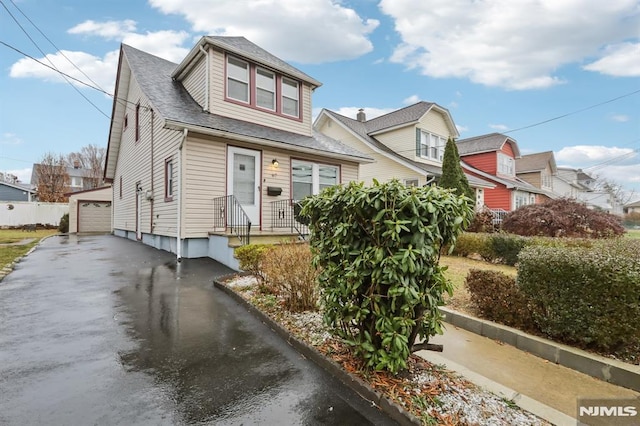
8 254
633 233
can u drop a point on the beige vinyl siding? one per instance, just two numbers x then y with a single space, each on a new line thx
434 122
533 178
402 141
218 105
195 83
133 164
384 169
204 179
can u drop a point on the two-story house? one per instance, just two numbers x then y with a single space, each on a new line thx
492 157
407 144
569 182
538 169
219 144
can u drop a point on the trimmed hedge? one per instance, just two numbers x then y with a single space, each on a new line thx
496 297
587 296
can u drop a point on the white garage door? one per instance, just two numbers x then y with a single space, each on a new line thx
94 216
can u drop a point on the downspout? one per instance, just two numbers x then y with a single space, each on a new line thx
153 195
180 195
206 79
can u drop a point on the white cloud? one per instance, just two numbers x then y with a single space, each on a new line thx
515 45
620 60
411 100
453 104
499 127
10 139
461 129
313 31
102 70
111 30
620 118
585 155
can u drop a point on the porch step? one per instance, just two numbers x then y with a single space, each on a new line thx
260 237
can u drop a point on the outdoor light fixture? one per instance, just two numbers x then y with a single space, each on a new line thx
275 163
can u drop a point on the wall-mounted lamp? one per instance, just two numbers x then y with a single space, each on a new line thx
275 163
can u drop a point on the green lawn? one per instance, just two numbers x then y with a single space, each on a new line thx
10 253
633 233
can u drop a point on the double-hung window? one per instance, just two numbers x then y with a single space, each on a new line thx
265 89
431 146
505 165
290 97
309 178
168 179
237 79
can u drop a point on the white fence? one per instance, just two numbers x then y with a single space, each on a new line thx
18 213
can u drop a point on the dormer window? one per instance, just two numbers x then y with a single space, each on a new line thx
265 89
505 165
290 97
237 79
432 146
262 89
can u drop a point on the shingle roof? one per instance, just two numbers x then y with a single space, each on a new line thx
485 143
173 103
361 129
535 162
634 204
515 183
406 115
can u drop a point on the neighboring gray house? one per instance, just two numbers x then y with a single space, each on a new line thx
575 183
632 207
16 192
216 147
538 170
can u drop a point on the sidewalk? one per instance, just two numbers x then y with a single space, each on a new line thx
544 388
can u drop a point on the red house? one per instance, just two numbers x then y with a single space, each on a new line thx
492 157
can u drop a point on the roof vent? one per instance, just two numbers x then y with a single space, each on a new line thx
361 117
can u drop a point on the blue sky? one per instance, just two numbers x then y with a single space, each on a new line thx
497 65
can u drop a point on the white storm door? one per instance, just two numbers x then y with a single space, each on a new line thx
243 180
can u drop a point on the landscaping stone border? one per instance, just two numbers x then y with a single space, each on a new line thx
607 369
393 410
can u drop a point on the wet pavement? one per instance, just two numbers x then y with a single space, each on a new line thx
101 330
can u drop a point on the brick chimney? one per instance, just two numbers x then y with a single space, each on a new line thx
76 164
361 117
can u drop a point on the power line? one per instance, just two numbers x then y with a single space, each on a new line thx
54 45
51 62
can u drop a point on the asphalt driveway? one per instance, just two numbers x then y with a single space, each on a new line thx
99 330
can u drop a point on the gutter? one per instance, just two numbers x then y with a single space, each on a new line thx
206 78
179 185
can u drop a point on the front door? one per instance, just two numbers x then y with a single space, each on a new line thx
243 180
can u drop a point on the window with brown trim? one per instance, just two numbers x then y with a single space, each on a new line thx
137 122
168 179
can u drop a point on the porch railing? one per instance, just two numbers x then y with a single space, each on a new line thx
284 215
498 216
229 214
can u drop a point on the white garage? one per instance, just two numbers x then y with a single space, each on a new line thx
90 211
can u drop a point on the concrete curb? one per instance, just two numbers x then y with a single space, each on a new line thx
606 369
393 410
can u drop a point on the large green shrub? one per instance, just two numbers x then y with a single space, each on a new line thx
496 297
63 226
378 249
472 243
588 296
505 248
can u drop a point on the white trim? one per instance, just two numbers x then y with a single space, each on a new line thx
252 211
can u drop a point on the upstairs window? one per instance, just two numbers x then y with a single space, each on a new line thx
432 146
265 89
506 165
237 79
290 97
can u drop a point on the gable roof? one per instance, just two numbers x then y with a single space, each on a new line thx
634 204
536 162
242 47
486 143
515 183
171 101
19 187
359 129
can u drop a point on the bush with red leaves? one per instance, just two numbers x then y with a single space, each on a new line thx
562 218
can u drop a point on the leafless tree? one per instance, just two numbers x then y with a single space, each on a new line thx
615 189
51 178
91 160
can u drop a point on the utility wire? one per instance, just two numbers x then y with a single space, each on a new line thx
51 62
54 45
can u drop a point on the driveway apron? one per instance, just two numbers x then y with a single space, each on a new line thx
102 330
